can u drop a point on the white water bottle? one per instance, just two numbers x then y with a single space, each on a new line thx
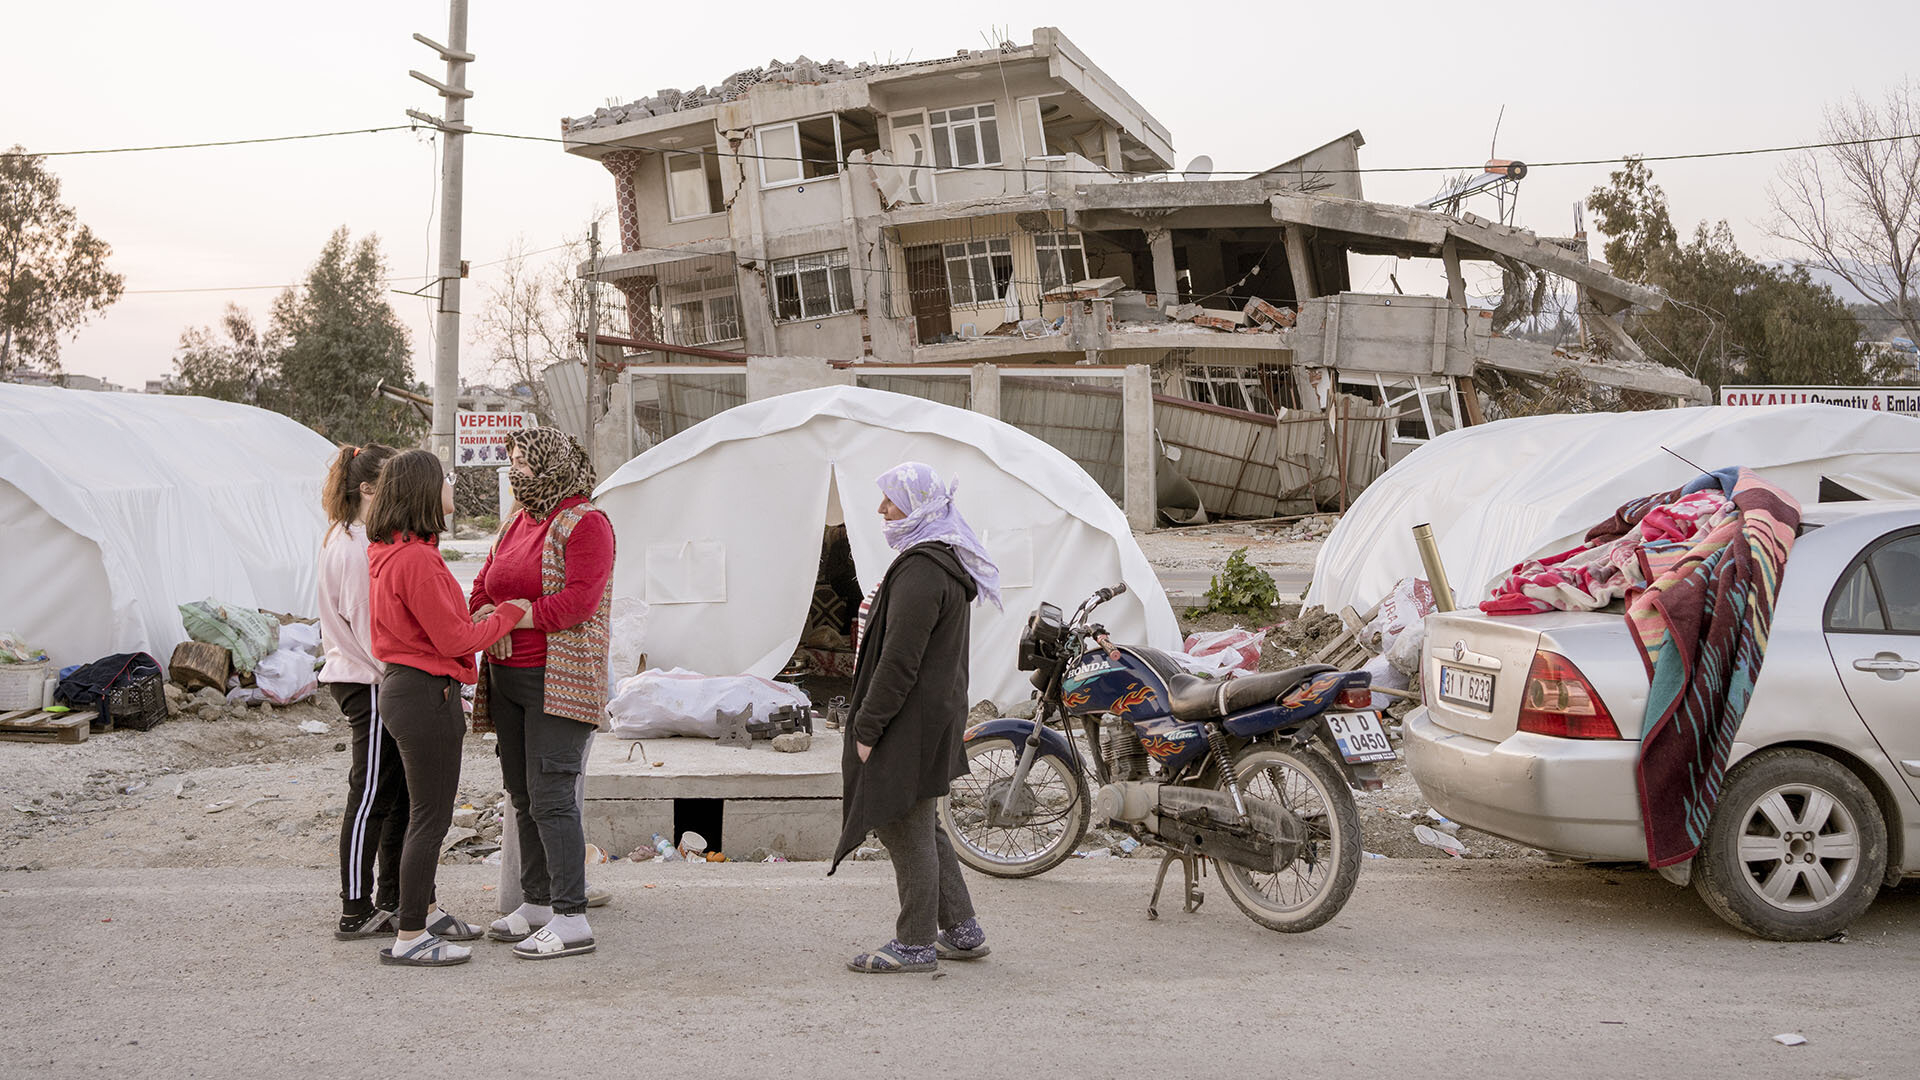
48 688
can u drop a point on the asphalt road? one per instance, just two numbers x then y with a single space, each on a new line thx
1434 970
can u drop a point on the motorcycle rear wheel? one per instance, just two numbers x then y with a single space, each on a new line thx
1037 833
1317 883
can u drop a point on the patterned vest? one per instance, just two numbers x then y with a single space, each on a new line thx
576 673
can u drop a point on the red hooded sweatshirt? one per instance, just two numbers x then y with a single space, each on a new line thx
420 618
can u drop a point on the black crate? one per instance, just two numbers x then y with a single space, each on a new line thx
139 704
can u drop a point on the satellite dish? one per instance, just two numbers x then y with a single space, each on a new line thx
1200 168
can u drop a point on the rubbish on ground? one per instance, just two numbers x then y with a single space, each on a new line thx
260 799
314 727
1128 845
681 702
1451 828
1434 838
668 853
774 856
1218 652
180 789
1790 1039
1371 855
133 787
1398 629
286 676
692 843
223 804
866 854
15 650
716 856
1096 853
595 856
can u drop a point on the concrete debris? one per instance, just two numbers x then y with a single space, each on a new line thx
800 71
466 817
1091 289
1279 318
793 742
1218 319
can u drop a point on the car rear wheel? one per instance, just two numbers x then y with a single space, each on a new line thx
1796 848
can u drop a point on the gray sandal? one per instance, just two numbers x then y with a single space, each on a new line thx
946 950
449 928
427 951
888 960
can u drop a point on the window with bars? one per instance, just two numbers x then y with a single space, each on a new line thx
812 286
1063 259
979 271
702 311
964 137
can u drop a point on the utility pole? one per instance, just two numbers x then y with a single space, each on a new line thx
446 352
593 332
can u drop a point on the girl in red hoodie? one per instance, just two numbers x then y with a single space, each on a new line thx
425 637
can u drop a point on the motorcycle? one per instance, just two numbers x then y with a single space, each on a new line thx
1253 774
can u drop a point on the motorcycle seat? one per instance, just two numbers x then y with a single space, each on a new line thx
1195 698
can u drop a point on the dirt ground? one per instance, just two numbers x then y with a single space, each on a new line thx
142 799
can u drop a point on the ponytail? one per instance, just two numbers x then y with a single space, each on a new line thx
352 466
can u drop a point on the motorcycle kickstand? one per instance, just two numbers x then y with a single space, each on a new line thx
1194 897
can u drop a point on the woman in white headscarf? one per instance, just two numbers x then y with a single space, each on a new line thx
909 706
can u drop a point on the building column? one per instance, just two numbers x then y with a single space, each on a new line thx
1136 425
1166 277
986 390
639 294
622 163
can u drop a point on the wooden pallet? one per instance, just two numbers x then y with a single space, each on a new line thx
35 725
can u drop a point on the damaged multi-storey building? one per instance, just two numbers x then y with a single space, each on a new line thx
1004 229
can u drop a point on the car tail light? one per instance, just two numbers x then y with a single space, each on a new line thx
1355 697
1558 700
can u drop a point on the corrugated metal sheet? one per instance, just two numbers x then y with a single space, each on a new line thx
567 397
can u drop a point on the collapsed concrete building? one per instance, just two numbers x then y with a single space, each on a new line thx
1003 230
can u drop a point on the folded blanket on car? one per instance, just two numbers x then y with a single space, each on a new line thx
1702 623
1618 555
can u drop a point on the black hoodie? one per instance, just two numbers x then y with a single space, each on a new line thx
909 692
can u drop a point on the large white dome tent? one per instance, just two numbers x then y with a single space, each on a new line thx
116 508
719 528
1513 489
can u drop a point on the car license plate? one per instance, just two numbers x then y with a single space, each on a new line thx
1463 687
1360 737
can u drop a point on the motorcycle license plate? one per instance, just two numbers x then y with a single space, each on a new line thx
1360 737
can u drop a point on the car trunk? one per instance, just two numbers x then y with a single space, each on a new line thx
1476 646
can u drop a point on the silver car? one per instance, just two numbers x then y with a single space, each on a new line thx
1531 732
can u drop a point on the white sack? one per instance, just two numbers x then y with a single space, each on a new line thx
301 637
626 639
285 676
655 704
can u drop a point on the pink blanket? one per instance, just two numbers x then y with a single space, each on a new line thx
1602 570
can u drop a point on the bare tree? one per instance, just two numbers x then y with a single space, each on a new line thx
532 316
1856 207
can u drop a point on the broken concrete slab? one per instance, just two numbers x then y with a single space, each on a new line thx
1091 289
1261 311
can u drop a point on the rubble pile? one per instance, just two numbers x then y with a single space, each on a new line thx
800 71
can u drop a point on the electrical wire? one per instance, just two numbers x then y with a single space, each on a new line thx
715 152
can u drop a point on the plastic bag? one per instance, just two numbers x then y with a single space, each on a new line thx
654 704
15 650
1399 630
1387 676
285 676
626 640
303 637
242 631
1218 652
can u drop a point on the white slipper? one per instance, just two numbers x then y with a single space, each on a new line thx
544 944
514 927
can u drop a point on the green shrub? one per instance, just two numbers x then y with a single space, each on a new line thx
1240 588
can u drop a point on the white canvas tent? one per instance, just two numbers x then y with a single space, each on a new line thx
719 528
1513 489
116 508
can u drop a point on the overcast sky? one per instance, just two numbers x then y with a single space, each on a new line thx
1249 86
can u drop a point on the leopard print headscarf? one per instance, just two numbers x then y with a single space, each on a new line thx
560 468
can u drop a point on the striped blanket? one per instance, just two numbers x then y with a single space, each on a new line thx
1701 622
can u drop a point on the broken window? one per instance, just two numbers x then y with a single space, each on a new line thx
1247 388
812 286
966 137
979 271
1033 130
1063 259
808 149
693 184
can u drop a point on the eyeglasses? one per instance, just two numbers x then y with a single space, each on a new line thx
449 479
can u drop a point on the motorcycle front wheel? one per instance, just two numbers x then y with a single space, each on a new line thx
1315 885
1012 832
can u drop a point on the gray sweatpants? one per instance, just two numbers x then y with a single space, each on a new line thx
933 896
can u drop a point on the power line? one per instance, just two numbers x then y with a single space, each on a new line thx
302 285
203 145
1002 168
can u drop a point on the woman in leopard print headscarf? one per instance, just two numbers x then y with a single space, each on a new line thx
544 687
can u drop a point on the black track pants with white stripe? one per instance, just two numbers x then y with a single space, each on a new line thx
377 809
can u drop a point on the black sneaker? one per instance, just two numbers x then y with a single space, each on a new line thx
375 923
